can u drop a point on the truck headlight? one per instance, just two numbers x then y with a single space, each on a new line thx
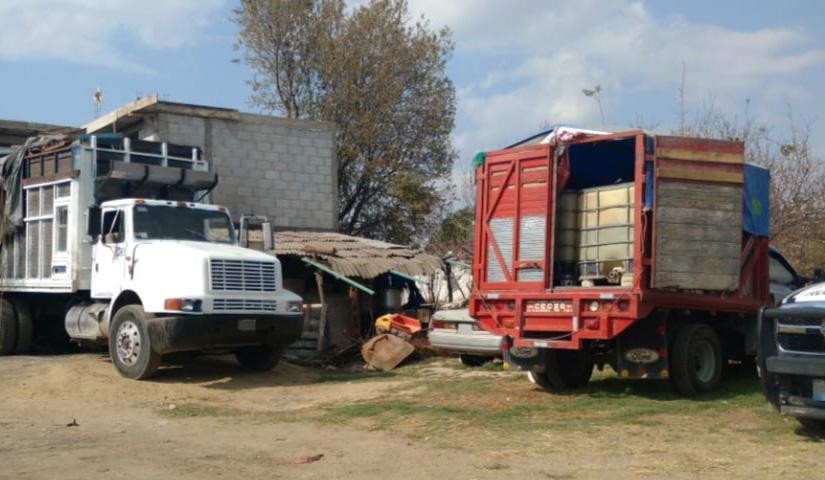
182 304
294 307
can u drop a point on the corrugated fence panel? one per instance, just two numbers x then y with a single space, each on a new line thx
501 230
531 246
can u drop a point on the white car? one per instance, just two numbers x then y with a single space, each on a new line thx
456 331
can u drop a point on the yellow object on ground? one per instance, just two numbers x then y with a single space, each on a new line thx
384 323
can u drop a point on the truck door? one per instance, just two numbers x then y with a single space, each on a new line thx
109 255
513 217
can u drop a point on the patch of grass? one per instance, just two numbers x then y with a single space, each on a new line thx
336 376
188 410
487 404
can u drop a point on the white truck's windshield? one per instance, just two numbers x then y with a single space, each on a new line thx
155 222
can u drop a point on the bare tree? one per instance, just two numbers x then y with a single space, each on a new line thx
382 79
797 207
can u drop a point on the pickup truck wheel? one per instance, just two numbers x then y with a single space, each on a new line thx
812 424
25 327
130 346
8 327
563 370
696 360
540 379
472 360
261 358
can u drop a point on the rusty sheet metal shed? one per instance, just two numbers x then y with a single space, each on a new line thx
346 283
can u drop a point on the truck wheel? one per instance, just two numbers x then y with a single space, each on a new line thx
130 346
563 370
25 327
696 360
472 360
8 327
261 358
812 424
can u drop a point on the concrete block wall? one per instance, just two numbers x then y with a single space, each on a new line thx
282 168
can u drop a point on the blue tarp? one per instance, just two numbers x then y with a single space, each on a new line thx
756 208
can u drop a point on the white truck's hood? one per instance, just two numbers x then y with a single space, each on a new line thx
182 266
207 250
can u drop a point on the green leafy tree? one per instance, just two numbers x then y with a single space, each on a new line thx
382 79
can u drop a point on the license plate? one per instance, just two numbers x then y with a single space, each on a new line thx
819 390
246 324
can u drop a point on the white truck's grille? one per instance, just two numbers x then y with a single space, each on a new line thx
242 275
243 304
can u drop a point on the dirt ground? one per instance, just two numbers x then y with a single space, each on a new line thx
72 416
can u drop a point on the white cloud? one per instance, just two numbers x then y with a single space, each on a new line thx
561 47
92 31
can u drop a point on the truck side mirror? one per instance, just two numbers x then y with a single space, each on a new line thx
266 229
93 222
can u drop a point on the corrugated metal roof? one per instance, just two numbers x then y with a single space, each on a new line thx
355 256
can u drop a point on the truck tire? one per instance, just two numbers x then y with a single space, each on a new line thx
25 327
130 346
469 360
563 370
260 358
696 360
8 327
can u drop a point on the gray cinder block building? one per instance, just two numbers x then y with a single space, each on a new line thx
282 168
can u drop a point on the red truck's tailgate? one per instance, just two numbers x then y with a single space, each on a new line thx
512 215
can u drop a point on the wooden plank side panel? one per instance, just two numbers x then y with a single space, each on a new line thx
699 144
698 236
678 231
703 281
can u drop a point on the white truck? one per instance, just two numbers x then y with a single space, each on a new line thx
105 236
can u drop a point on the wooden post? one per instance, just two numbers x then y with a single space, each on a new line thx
322 324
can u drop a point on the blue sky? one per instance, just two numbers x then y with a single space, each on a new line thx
517 65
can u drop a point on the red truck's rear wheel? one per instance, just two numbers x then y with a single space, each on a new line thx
563 370
696 360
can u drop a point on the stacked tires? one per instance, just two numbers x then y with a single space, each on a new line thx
16 327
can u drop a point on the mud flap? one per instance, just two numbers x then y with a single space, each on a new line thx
641 350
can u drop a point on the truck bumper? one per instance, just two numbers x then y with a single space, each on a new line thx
796 375
477 343
803 366
206 332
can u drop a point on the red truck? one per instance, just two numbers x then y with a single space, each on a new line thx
648 253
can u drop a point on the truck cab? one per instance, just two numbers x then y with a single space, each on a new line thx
110 238
173 278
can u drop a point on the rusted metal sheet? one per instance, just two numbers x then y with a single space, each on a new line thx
386 351
355 256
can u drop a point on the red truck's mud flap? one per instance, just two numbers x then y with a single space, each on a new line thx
642 350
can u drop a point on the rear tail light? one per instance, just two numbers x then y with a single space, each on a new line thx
443 324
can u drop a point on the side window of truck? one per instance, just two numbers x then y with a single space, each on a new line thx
113 231
779 274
